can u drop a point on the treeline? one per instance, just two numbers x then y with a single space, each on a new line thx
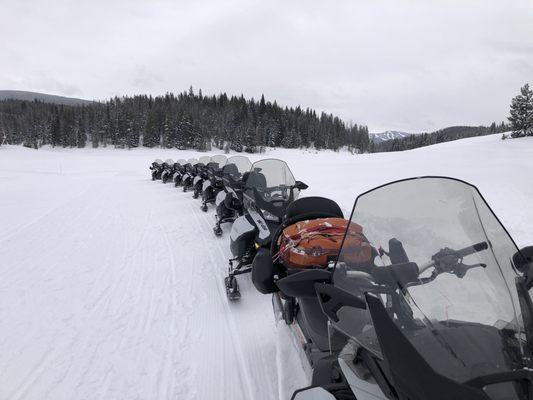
440 136
185 121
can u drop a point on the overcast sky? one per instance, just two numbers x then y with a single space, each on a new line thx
405 65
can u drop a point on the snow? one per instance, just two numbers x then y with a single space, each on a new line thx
111 285
388 135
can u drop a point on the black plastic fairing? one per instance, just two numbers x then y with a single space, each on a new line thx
412 376
302 284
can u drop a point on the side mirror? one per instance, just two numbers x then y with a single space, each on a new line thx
300 185
312 393
332 299
523 259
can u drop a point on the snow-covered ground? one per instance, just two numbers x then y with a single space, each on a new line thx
111 284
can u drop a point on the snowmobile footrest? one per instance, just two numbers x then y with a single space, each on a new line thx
232 288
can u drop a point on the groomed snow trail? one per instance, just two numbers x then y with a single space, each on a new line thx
111 285
114 290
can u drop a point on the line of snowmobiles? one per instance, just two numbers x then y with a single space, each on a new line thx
421 294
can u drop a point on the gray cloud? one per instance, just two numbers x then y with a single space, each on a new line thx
410 64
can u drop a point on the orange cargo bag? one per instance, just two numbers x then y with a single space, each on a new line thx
316 242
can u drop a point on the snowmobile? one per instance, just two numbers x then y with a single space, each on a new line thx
444 313
213 184
200 175
229 201
269 189
179 170
157 169
168 170
308 323
188 176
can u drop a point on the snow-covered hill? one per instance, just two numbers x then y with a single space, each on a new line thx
46 98
388 135
111 284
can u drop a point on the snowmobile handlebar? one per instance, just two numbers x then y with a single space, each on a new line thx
446 260
446 257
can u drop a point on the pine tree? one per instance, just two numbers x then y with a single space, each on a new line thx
522 113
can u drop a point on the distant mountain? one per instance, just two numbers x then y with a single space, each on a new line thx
388 135
45 98
442 135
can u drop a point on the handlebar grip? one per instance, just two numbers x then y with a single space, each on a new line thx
473 249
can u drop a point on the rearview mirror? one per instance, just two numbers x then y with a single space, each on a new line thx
332 299
312 393
523 259
300 185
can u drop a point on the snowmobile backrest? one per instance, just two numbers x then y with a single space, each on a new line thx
230 169
311 208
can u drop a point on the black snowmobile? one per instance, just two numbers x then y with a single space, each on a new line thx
179 170
269 189
200 175
190 172
157 169
320 344
213 184
444 313
168 170
229 201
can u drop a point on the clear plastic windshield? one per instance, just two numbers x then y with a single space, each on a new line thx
273 180
220 159
169 161
181 161
235 168
241 163
158 161
204 160
458 305
192 161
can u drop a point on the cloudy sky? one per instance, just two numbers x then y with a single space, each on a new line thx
399 64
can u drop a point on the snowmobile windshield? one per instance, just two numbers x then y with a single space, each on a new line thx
442 265
273 180
181 161
169 161
241 163
158 161
192 161
220 159
204 160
